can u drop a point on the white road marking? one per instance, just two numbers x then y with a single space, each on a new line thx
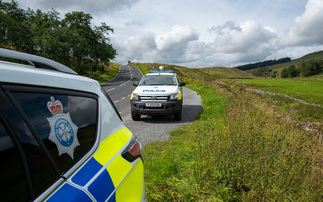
110 89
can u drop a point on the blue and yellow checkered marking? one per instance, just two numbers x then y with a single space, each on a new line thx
87 172
100 178
69 193
102 187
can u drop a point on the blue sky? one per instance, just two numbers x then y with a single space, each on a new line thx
203 33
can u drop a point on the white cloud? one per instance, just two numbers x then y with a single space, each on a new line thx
245 37
137 48
203 33
172 45
307 29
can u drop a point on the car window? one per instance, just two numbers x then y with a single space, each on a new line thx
152 80
54 129
68 129
40 170
13 185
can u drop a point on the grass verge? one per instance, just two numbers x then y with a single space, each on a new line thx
107 74
238 149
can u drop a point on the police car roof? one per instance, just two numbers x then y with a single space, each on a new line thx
36 61
29 75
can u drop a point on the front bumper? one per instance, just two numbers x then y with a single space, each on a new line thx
167 107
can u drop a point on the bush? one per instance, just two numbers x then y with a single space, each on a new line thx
264 72
284 73
311 67
293 71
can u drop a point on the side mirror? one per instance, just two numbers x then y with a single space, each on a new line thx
182 83
135 83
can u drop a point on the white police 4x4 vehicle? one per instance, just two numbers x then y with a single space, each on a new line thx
61 138
157 93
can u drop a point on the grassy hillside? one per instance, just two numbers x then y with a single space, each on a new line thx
109 72
208 73
279 67
226 72
182 72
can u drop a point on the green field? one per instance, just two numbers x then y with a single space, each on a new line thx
307 89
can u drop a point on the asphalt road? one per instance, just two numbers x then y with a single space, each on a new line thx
148 129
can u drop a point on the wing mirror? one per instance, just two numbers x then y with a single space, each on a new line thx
135 83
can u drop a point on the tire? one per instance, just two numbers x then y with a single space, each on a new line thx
135 116
178 115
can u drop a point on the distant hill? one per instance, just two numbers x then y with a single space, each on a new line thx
263 64
278 67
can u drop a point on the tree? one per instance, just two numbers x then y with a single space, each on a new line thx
274 74
102 49
14 27
309 68
293 71
43 25
284 73
87 44
264 72
71 41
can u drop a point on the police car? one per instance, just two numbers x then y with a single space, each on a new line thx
157 93
61 138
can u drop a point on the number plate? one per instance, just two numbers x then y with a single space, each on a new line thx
153 104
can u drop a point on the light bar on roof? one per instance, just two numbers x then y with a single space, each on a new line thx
157 71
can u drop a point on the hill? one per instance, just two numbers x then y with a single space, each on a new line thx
226 73
207 73
263 64
278 67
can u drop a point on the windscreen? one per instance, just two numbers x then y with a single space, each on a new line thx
158 80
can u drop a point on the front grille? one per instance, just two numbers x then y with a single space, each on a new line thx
161 98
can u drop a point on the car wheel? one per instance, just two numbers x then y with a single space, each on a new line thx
178 115
135 116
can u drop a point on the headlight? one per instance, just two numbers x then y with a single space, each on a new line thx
173 96
134 96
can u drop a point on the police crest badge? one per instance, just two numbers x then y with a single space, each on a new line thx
63 131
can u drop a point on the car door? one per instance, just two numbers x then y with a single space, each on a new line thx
45 141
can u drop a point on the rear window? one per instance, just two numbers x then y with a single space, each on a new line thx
50 130
65 123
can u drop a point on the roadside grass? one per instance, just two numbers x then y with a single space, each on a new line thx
237 150
307 89
107 74
143 67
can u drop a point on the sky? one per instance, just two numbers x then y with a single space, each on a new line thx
202 33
